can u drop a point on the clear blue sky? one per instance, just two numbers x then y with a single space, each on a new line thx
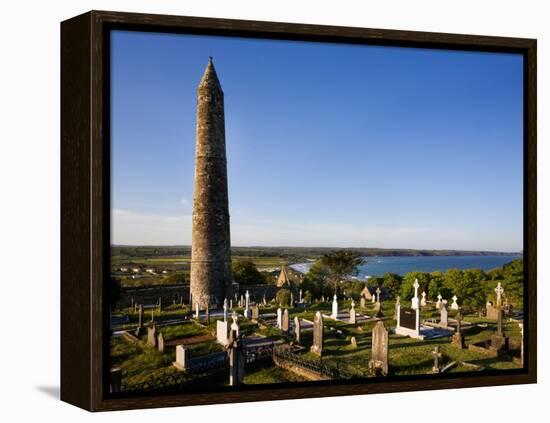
327 144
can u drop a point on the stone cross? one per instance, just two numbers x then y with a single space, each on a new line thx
457 340
297 330
499 291
318 334
334 314
414 301
437 356
225 310
378 292
454 305
423 300
235 329
438 303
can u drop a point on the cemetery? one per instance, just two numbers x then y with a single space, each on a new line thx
259 341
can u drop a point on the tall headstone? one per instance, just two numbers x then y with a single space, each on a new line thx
423 301
438 303
291 298
247 305
378 293
139 330
352 313
334 314
437 357
499 290
380 345
457 340
318 334
237 357
197 310
280 318
300 299
152 336
396 308
454 304
297 330
444 316
255 312
285 322
408 322
414 301
160 342
225 307
499 342
210 244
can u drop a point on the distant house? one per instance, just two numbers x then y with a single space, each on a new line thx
288 278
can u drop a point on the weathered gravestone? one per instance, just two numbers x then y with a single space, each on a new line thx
423 302
499 342
221 332
280 318
352 313
139 330
235 328
181 358
437 356
318 334
457 339
297 330
284 321
255 312
454 305
247 305
152 336
334 314
237 357
444 316
160 342
225 307
378 363
438 302
415 302
353 342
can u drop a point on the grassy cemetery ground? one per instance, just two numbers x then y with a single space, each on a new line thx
140 362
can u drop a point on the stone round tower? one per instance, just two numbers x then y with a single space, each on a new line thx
210 248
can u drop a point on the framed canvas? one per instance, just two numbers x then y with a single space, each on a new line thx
254 211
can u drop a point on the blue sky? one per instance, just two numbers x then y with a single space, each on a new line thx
327 144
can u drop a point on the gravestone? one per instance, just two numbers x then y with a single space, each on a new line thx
230 304
291 298
297 330
423 302
499 342
437 356
160 342
454 305
182 357
362 302
334 314
222 327
318 334
139 330
378 363
197 311
378 293
280 318
255 312
444 316
300 299
237 357
414 301
438 303
152 315
235 328
246 305
408 322
225 310
285 322
352 313
353 342
396 308
457 340
115 379
499 290
264 300
152 336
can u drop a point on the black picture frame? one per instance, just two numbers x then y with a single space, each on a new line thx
85 204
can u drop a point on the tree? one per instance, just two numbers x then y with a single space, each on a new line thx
437 286
407 286
283 297
468 285
177 278
316 280
513 281
341 264
246 273
392 283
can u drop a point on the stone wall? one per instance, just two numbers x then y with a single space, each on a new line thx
151 295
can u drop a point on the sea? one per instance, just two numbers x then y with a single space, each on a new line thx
377 266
